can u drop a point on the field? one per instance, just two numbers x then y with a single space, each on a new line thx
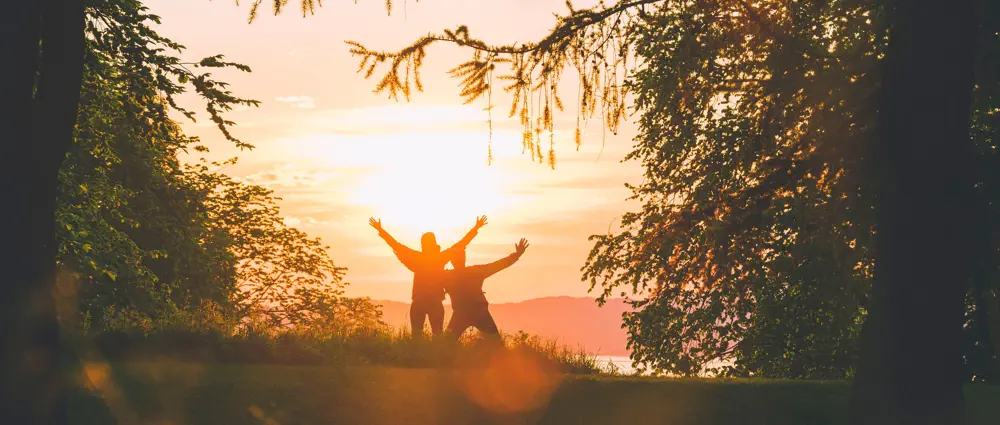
509 389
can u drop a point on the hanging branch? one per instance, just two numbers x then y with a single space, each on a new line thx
594 41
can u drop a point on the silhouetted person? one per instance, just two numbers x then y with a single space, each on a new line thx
427 266
468 302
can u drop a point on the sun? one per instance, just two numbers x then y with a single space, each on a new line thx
434 189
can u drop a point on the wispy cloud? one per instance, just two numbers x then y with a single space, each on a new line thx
303 102
293 221
290 176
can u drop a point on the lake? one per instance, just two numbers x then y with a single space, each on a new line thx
623 363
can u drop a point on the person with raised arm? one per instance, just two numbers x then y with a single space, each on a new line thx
468 301
427 266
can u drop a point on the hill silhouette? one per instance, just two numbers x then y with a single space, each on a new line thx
576 322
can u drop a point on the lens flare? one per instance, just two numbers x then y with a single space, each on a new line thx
513 381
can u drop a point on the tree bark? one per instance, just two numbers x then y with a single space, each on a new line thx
993 331
44 41
910 371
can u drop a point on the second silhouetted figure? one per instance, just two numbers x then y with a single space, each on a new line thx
465 286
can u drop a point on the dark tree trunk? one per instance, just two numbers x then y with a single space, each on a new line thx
992 307
43 45
910 370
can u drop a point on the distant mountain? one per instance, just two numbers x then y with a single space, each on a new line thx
574 322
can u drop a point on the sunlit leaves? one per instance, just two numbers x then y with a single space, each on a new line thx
281 274
307 7
755 216
120 35
595 42
142 233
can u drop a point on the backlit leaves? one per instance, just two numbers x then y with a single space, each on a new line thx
595 42
751 141
140 232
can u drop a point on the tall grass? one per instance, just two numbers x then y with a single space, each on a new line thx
381 346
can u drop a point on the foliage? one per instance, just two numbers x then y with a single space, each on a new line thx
596 42
129 231
283 275
753 243
145 236
209 334
307 7
752 246
754 120
120 35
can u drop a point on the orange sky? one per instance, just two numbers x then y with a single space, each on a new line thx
338 153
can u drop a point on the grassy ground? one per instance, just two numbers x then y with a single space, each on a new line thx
366 347
509 389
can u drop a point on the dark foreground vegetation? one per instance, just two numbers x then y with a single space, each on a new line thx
381 346
483 393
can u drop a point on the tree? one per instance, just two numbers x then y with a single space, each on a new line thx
926 251
752 151
922 148
142 233
44 44
282 276
130 228
751 243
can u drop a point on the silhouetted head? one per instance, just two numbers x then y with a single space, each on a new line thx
458 259
428 243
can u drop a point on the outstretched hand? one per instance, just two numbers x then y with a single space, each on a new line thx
377 224
480 222
521 246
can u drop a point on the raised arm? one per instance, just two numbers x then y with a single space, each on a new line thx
486 270
460 245
403 252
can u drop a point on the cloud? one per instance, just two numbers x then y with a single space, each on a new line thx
302 102
290 176
314 222
308 221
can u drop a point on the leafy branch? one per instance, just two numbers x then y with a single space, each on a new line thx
121 35
594 41
307 7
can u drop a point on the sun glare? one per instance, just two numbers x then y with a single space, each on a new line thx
438 187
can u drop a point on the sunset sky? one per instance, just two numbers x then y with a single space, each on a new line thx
337 153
